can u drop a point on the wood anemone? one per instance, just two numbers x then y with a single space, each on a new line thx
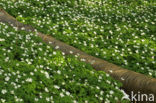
131 80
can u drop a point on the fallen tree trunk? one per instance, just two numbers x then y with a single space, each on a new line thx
132 81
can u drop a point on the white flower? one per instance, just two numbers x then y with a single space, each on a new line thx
71 52
54 53
47 75
36 99
29 80
63 53
2 39
61 94
150 73
107 75
101 98
3 100
7 79
97 87
40 49
57 47
86 101
6 59
108 81
67 93
74 101
46 90
4 91
47 99
31 73
17 64
12 92
110 71
57 87
111 92
122 78
63 83
59 72
101 92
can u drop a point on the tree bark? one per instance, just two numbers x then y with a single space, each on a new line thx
131 80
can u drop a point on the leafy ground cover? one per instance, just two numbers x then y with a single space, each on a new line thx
32 72
121 32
